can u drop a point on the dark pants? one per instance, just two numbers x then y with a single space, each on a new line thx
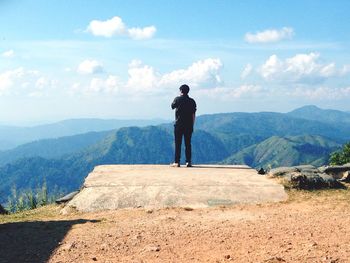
187 134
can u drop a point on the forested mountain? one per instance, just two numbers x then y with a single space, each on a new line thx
263 139
285 151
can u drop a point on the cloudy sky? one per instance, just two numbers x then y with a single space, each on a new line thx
126 59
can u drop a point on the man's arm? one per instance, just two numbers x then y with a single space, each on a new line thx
174 104
194 111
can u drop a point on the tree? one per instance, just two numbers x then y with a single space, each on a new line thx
32 200
43 194
25 199
341 157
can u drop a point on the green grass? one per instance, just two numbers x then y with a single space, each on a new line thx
333 196
39 214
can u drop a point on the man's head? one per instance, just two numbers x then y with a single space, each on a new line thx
184 89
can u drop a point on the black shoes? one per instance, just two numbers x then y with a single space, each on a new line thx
189 164
175 164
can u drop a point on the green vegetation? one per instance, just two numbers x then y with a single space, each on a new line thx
285 151
341 157
47 212
30 199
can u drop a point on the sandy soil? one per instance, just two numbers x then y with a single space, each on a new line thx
309 227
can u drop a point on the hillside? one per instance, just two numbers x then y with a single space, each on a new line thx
11 136
52 148
267 124
286 151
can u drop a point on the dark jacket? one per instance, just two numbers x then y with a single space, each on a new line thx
185 108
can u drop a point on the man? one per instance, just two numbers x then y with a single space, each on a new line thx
185 113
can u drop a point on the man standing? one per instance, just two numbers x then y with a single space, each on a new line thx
185 113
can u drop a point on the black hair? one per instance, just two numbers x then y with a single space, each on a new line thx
185 89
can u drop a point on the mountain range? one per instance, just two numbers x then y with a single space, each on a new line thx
12 136
266 139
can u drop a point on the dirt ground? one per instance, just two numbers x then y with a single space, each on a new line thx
309 227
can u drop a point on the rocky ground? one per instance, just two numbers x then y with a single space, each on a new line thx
309 227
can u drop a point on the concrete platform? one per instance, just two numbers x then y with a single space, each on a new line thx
110 187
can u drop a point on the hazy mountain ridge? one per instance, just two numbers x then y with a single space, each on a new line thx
267 124
311 112
12 136
52 148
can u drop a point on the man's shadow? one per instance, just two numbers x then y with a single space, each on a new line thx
33 241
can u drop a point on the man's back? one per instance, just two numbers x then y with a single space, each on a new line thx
185 108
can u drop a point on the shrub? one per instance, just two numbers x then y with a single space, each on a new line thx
341 157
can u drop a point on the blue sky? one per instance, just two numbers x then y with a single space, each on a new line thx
126 59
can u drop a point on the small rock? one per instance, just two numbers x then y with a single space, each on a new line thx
275 259
149 211
261 171
94 259
152 248
346 177
188 208
281 171
68 246
66 198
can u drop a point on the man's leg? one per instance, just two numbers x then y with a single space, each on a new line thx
178 141
188 136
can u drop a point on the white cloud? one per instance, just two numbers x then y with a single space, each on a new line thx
110 85
345 70
246 71
108 28
228 93
270 35
90 67
8 54
116 27
202 74
20 81
321 93
142 33
142 77
41 83
9 78
146 80
300 68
